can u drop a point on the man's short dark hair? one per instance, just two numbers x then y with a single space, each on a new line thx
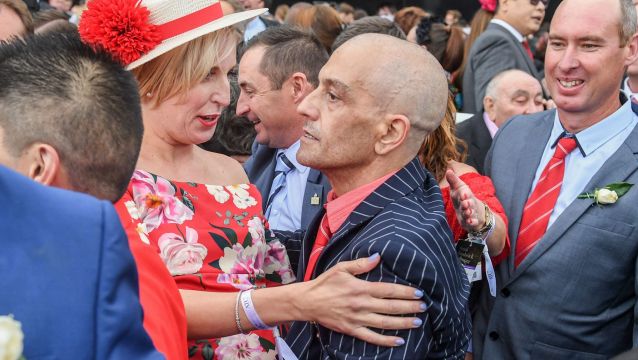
367 25
289 50
56 90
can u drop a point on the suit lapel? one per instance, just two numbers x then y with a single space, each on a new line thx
610 172
314 197
397 186
483 139
534 144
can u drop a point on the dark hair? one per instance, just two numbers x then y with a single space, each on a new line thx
234 135
371 24
56 90
443 41
289 50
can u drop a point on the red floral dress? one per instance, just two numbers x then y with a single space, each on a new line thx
483 189
211 238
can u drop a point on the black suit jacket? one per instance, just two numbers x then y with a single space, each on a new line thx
404 221
260 168
478 139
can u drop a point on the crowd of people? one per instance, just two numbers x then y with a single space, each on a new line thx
212 179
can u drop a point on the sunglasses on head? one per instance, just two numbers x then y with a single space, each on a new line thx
535 2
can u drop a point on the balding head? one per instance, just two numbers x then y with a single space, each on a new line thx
403 78
510 93
368 119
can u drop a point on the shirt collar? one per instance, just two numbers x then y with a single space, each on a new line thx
491 126
339 208
595 136
627 90
291 154
509 28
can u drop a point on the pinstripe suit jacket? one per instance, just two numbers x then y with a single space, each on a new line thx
404 221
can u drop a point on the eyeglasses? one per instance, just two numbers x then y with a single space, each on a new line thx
535 2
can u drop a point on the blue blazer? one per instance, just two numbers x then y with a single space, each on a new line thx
260 168
404 221
68 275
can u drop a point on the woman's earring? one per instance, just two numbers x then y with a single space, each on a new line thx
149 94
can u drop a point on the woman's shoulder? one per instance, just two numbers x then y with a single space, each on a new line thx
229 170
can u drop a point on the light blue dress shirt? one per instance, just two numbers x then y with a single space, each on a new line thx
596 144
254 27
285 213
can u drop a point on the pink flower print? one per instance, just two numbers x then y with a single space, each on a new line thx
182 256
238 281
277 262
242 347
156 202
240 260
256 230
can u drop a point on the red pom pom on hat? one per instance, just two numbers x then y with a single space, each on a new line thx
121 27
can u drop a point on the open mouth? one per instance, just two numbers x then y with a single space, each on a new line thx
570 84
308 136
208 120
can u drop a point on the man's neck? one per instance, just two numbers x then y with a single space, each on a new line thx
344 180
577 122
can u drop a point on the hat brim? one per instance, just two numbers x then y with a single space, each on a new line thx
172 43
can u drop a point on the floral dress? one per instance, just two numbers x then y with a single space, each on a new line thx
211 238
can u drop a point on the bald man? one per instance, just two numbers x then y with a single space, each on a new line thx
364 130
510 93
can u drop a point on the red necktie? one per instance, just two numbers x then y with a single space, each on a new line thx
541 203
527 49
323 235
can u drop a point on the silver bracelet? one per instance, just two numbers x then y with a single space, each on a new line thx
237 319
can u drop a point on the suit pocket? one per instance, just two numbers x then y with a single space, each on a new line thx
606 224
544 351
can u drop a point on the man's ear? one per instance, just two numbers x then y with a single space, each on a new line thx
393 132
488 106
43 164
632 53
299 87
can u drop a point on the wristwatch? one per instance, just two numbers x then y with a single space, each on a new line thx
489 224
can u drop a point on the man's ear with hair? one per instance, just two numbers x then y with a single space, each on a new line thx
299 86
392 133
41 163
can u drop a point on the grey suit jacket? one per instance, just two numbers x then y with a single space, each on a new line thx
494 51
574 296
478 139
260 168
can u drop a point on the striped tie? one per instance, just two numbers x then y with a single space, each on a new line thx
541 203
323 235
282 168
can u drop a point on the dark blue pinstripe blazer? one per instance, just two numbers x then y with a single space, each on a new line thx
404 221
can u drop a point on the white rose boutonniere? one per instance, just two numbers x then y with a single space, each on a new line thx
11 338
608 194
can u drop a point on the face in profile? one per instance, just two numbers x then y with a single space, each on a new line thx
62 5
526 16
340 113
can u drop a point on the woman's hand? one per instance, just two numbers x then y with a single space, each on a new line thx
345 304
470 211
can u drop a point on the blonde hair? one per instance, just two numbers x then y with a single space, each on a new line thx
178 70
442 145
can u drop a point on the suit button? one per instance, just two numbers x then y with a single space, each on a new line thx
505 292
494 335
